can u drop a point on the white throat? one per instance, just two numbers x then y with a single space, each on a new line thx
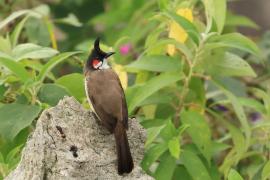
104 64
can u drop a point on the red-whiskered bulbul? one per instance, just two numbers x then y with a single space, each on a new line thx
105 93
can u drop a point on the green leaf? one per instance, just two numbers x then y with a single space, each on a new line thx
266 171
237 136
174 147
5 55
156 63
169 131
252 103
194 166
152 133
15 117
217 11
214 172
130 91
230 65
153 38
13 16
234 40
37 32
148 123
32 51
71 19
74 83
181 173
166 167
37 66
43 10
238 20
153 86
52 63
13 153
157 98
149 111
2 160
217 147
197 92
52 93
239 111
16 68
2 92
153 154
234 175
199 131
235 86
163 4
161 43
264 96
5 46
164 111
17 31
220 13
185 24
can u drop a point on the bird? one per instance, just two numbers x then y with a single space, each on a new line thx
106 95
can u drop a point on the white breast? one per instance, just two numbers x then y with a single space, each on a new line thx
88 97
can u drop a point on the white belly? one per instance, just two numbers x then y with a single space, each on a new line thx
88 99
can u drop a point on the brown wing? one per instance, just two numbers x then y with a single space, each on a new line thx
124 103
107 97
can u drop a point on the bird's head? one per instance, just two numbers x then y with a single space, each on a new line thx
98 59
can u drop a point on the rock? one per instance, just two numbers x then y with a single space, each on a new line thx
68 143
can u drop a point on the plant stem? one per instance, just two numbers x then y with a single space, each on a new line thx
51 32
185 90
182 97
33 94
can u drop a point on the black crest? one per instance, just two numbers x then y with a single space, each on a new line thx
97 48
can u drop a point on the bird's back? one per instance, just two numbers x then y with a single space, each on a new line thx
107 96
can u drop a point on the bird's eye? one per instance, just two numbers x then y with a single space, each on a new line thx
96 63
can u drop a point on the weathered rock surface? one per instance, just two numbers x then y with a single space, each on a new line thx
68 143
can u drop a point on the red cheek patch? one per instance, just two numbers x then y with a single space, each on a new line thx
95 62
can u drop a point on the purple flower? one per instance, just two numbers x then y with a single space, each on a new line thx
221 108
255 116
125 49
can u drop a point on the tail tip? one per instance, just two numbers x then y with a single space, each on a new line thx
125 170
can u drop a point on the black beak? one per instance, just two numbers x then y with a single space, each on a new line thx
109 54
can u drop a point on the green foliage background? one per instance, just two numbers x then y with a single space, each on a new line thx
206 108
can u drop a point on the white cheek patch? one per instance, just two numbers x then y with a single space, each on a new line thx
96 66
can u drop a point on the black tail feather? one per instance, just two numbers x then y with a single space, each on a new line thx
125 162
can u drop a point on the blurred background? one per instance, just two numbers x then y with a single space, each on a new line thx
78 22
111 18
255 10
132 28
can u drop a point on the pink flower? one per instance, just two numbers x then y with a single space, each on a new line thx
125 49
